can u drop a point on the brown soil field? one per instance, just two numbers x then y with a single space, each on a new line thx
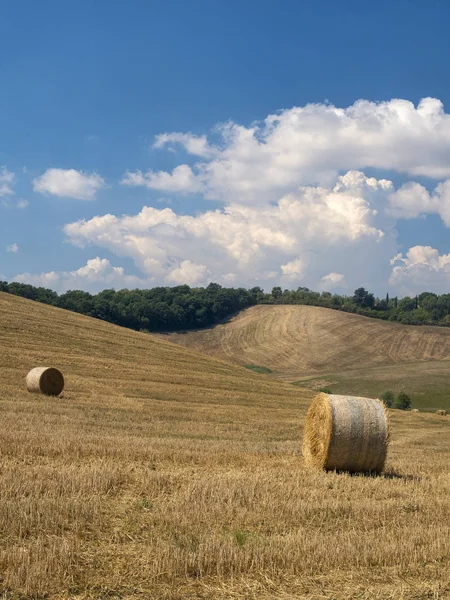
164 473
295 341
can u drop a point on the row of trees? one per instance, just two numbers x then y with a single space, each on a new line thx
424 309
158 309
183 307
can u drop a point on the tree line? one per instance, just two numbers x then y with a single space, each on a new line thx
182 307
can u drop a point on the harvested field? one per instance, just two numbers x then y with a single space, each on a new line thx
300 340
162 473
325 348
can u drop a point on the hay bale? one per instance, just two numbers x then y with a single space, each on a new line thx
346 433
441 412
45 380
414 410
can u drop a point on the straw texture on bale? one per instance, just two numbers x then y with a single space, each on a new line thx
45 380
415 410
441 412
346 433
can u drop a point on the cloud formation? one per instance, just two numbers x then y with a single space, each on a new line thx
69 183
305 235
182 180
422 268
296 207
14 248
95 276
6 181
308 145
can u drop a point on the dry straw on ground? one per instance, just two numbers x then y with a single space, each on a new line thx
441 412
171 475
45 380
346 433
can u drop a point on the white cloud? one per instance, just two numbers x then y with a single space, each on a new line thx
188 273
306 233
69 183
311 145
421 269
95 276
182 180
295 268
6 181
14 248
413 200
22 203
332 281
193 144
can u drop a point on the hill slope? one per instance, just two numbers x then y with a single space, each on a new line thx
164 473
305 340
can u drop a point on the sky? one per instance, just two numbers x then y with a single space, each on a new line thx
249 143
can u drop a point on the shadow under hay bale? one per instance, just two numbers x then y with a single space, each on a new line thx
45 380
346 433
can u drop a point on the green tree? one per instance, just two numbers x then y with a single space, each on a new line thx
402 401
362 298
277 292
406 304
388 398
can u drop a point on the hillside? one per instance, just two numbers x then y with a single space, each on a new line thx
304 340
168 474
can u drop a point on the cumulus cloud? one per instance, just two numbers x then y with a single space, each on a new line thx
413 200
332 281
310 145
294 269
188 273
295 204
304 234
69 183
182 180
196 145
95 276
14 248
422 268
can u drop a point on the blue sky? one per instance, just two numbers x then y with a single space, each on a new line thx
232 195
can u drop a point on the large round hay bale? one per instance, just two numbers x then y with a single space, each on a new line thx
346 433
441 412
45 380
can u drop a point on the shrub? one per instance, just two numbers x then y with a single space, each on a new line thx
388 398
258 369
402 401
325 390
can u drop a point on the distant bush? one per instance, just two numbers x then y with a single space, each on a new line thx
402 401
258 369
388 398
325 390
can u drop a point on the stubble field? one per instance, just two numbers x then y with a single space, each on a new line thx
163 473
320 347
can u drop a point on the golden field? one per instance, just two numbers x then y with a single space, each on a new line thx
164 473
321 347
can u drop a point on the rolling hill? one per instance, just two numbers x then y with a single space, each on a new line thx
320 347
304 340
165 473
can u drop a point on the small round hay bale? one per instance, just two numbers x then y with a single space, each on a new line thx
346 433
414 410
441 412
45 380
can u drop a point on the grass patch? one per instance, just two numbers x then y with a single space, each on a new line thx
427 383
258 369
